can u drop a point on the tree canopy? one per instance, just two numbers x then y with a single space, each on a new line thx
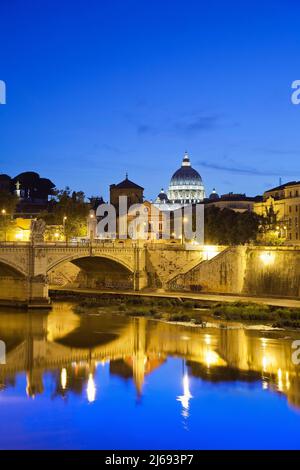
227 227
70 210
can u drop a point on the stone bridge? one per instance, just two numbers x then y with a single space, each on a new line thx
26 269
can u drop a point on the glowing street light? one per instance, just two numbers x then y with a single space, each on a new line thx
3 212
64 225
267 258
184 221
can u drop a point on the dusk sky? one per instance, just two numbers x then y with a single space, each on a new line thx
96 88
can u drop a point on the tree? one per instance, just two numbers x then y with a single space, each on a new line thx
272 230
69 210
8 204
34 187
227 227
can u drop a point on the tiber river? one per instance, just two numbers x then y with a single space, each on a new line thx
113 382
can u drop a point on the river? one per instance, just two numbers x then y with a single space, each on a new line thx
108 381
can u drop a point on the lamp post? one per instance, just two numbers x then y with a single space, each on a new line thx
64 227
91 227
184 221
3 212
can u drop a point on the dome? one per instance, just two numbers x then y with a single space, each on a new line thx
186 175
186 186
162 197
214 195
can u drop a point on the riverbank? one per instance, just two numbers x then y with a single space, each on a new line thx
209 299
184 310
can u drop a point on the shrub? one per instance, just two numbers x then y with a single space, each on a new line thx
179 317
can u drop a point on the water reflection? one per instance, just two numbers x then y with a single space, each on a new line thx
185 398
71 348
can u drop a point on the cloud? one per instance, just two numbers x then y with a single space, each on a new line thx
273 151
198 124
188 126
146 129
242 170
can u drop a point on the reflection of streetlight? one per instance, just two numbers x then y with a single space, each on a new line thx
63 378
185 398
91 389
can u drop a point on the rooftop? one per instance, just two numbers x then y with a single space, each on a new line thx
283 186
126 184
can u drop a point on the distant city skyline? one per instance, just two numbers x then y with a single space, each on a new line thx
95 92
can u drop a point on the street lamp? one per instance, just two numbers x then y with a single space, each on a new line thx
3 212
184 221
64 226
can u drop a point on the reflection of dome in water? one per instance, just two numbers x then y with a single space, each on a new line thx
186 184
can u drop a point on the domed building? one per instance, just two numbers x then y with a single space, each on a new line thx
214 196
162 198
186 186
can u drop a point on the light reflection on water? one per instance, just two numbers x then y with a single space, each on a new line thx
110 381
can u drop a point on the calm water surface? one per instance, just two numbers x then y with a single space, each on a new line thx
112 382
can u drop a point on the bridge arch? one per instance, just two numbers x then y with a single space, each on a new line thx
77 257
99 271
9 268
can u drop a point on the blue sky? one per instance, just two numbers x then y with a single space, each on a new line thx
97 88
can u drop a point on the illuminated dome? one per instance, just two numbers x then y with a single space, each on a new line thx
214 195
162 198
186 184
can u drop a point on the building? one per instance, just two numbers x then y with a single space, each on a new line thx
133 192
284 202
232 201
185 188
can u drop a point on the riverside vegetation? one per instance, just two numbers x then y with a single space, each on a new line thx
196 312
